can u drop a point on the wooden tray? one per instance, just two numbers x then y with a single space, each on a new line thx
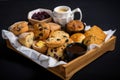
66 71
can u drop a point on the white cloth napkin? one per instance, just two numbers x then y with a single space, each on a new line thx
35 56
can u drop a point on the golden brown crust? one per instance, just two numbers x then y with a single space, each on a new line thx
19 27
42 49
56 52
54 26
55 42
75 26
26 38
78 37
94 35
59 33
41 30
57 38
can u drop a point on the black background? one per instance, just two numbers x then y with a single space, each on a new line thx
105 14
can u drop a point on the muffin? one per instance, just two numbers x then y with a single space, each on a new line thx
19 27
41 31
78 37
75 26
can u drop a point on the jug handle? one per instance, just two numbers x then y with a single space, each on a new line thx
78 10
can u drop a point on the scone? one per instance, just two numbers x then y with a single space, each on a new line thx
78 37
56 52
19 27
59 33
26 38
94 35
41 31
75 26
54 26
92 40
55 42
39 46
57 38
96 31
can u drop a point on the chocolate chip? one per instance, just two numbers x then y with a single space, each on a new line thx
58 39
67 40
64 36
51 50
39 25
41 34
55 49
40 28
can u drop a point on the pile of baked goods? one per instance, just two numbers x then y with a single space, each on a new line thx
50 39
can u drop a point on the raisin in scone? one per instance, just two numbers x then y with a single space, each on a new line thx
54 42
57 38
19 27
56 52
59 33
26 38
62 34
41 30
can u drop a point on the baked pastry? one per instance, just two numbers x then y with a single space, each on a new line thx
19 27
75 26
96 31
40 46
57 38
93 40
26 38
56 52
55 42
41 30
94 35
78 37
54 26
59 33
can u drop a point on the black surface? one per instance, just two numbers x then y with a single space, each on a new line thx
105 14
